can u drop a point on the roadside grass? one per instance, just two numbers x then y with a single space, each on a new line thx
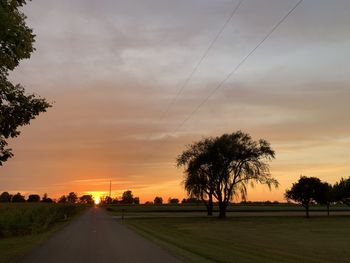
251 239
24 226
282 207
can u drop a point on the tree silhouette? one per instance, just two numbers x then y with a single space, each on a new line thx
33 198
173 200
127 197
223 166
342 191
325 195
158 200
18 198
5 197
306 191
86 199
16 43
62 199
72 198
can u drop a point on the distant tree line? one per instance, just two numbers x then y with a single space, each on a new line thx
126 198
311 190
71 198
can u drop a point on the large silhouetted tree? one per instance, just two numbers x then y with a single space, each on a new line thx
16 43
306 191
224 166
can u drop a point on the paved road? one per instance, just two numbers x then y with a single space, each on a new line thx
97 238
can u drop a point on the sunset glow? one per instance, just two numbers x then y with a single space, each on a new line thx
113 80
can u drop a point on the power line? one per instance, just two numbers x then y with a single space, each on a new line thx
194 70
238 66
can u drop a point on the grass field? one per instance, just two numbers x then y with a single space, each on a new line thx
23 226
251 239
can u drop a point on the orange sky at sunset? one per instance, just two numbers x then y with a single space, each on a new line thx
112 70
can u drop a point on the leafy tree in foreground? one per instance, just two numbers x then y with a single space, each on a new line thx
16 43
306 191
158 200
5 197
33 198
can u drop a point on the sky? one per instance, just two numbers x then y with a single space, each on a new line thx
114 68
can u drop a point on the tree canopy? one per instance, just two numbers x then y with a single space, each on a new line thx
16 43
223 166
306 191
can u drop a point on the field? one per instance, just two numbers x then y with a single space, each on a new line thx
22 226
275 233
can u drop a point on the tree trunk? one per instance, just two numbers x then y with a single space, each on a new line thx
222 209
327 209
210 205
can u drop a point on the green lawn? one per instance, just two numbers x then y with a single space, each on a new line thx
251 239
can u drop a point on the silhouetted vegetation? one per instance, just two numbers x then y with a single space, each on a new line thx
33 198
86 199
222 167
72 198
173 200
16 43
311 190
158 200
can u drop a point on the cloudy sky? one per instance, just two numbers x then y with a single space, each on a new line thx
113 69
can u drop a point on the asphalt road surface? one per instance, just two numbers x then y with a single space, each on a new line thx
97 238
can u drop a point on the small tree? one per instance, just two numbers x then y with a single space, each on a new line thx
325 195
46 199
72 198
127 197
136 200
342 191
5 197
86 199
173 201
306 191
18 198
62 199
158 200
33 198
